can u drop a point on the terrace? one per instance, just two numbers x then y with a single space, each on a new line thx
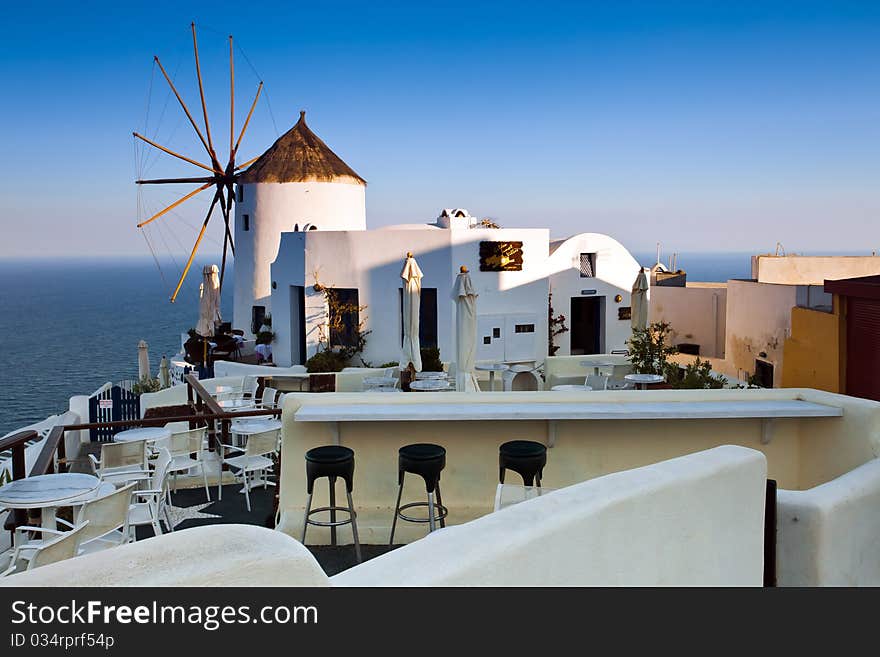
819 448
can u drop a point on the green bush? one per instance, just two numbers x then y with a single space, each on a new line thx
696 376
431 359
146 384
265 337
326 361
392 363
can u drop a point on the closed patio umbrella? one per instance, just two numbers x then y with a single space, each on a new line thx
412 291
143 360
164 374
639 302
209 301
465 298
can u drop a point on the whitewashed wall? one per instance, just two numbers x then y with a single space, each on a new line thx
695 520
616 271
829 535
275 208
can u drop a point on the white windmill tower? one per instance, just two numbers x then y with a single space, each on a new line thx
298 184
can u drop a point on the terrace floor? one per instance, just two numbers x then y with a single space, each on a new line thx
191 508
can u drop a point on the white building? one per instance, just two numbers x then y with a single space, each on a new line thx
300 219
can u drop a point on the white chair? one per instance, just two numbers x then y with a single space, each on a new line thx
268 399
249 387
597 381
182 446
107 519
63 546
254 464
149 506
121 463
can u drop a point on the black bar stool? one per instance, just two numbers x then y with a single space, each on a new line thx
427 461
331 461
525 457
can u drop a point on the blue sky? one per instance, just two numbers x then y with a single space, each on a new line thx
704 125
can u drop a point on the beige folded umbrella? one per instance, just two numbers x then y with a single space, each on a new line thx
412 291
639 302
143 360
465 297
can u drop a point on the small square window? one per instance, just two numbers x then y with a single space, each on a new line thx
247 221
496 332
588 265
524 328
487 339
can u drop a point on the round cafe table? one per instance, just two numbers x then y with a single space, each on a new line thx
431 375
429 385
235 404
47 492
150 434
570 386
491 368
643 379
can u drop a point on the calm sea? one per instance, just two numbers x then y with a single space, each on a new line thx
69 326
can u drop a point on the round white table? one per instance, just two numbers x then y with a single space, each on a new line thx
47 492
150 434
570 386
429 385
491 368
643 379
235 404
596 365
421 376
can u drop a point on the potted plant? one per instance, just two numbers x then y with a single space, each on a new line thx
649 352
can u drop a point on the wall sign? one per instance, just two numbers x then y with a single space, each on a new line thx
588 292
501 256
624 312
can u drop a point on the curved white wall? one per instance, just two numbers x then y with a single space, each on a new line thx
616 271
275 208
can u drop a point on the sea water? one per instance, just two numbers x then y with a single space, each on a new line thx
69 326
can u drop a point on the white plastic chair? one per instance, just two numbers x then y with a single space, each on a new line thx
268 399
107 519
597 381
149 506
182 446
63 546
249 387
254 465
121 463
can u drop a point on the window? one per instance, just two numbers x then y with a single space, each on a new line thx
588 265
427 317
344 317
524 328
258 314
240 193
247 221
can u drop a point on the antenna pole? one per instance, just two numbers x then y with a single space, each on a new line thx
195 248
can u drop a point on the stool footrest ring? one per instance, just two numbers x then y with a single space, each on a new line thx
319 523
440 512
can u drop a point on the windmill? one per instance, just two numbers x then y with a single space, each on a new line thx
219 178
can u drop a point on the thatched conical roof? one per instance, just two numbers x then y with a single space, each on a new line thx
300 156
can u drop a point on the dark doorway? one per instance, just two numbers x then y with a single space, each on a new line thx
764 373
586 325
297 325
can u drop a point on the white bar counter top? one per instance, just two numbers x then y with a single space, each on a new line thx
438 411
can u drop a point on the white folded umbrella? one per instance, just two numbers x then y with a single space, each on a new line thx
412 292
